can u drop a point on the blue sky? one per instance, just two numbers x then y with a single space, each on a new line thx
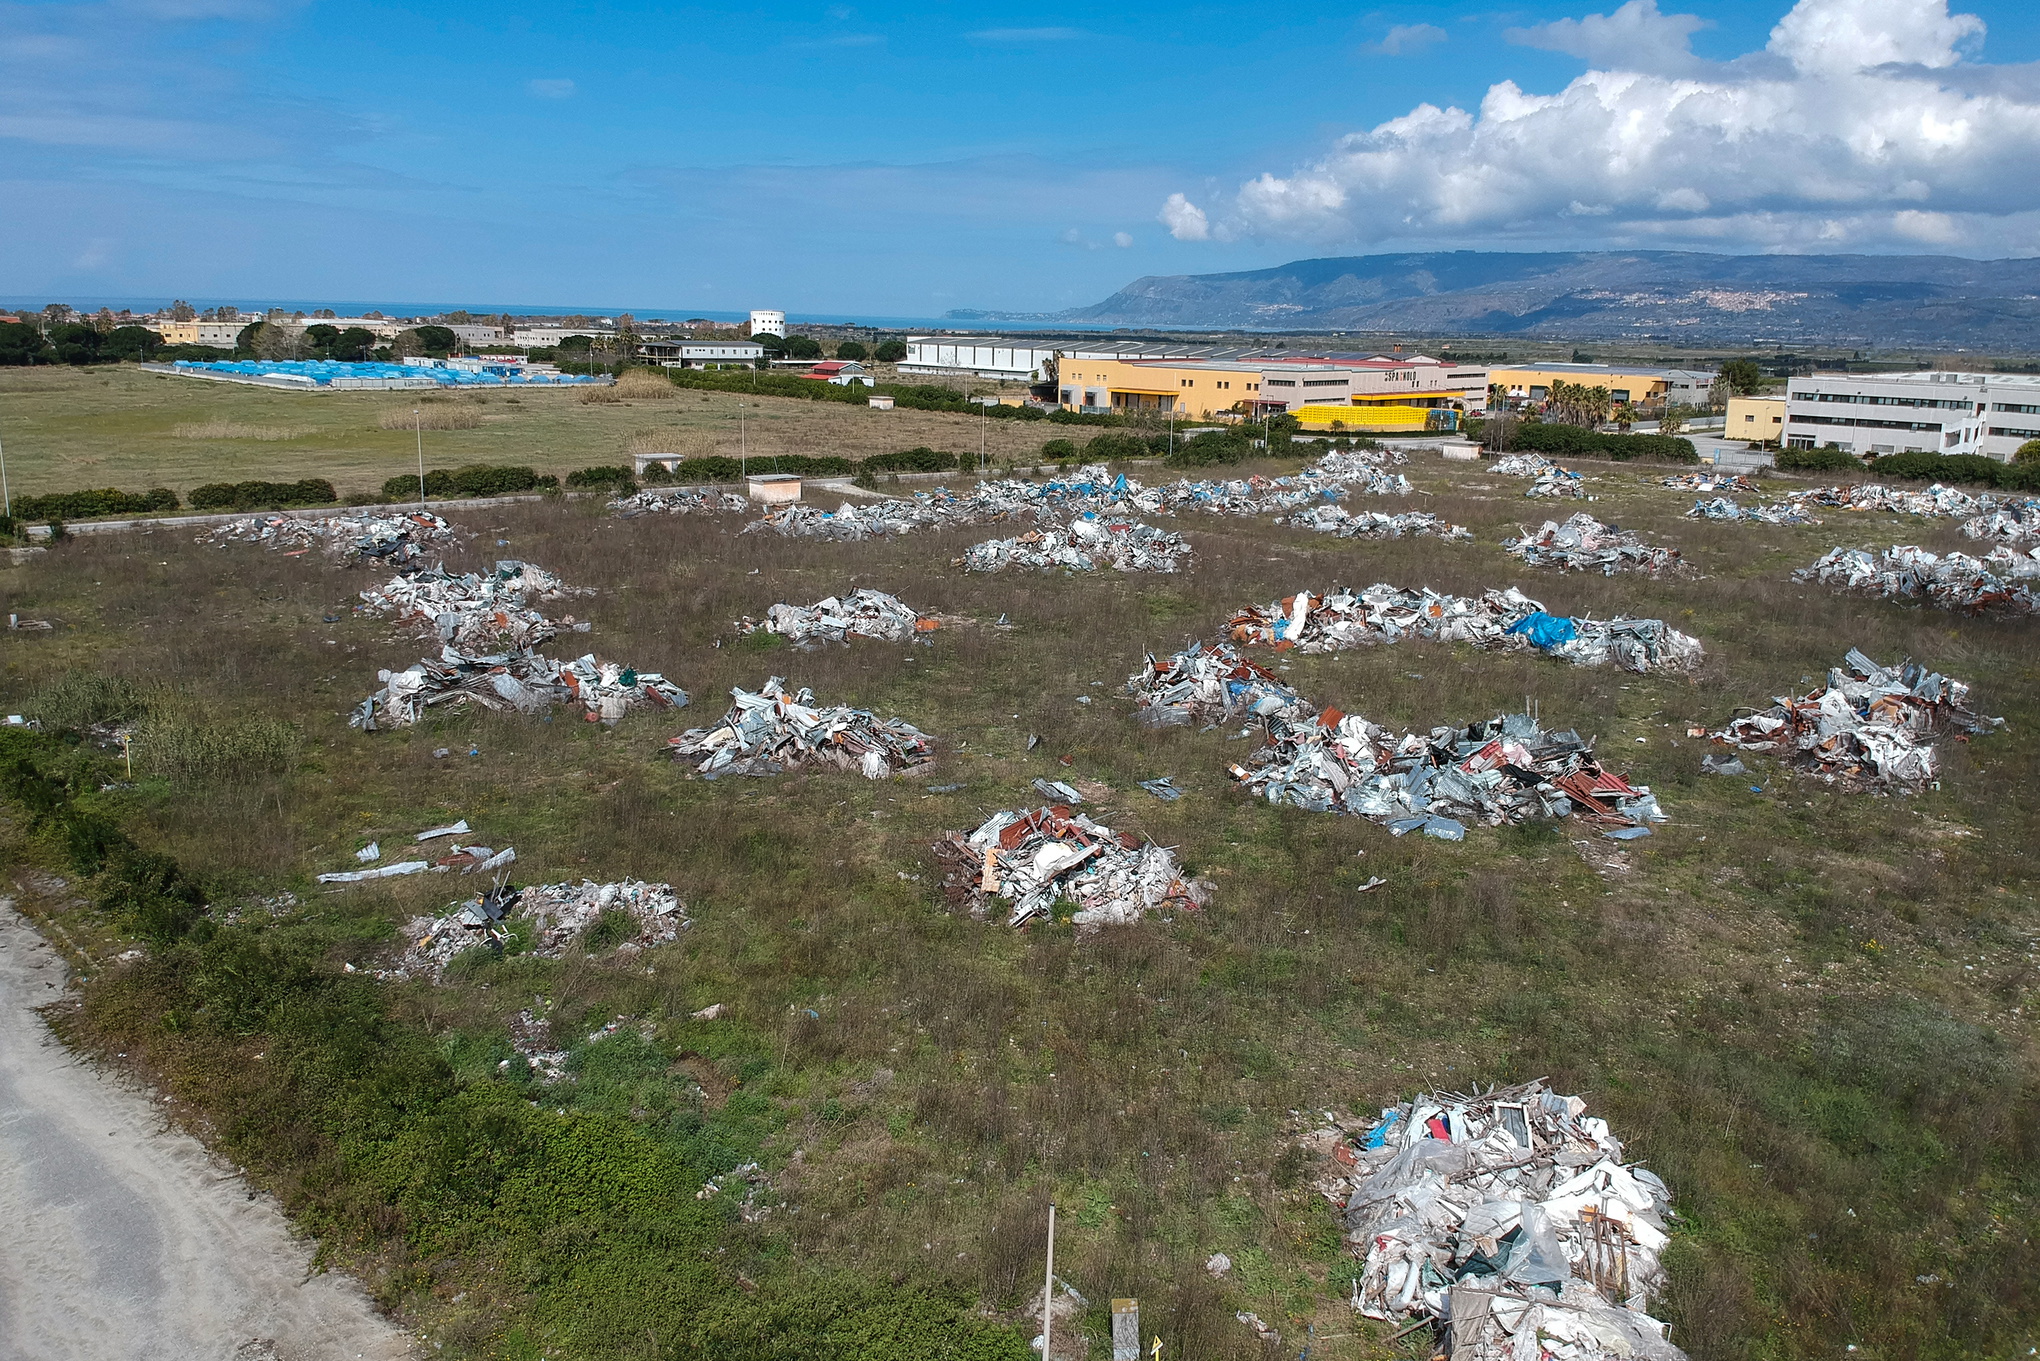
910 158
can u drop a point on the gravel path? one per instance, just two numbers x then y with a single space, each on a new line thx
127 1240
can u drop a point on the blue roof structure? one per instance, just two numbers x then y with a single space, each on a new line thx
330 372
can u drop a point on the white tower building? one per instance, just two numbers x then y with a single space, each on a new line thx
768 323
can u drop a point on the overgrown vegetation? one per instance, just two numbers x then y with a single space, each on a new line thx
1827 458
1970 469
312 491
1573 441
83 505
477 479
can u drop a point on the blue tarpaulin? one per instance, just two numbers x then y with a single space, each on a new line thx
1545 630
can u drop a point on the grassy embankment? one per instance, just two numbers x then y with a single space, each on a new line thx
1804 1010
67 429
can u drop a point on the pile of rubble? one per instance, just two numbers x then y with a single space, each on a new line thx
2001 581
394 538
852 522
769 732
1584 544
1083 545
1372 524
685 501
2009 524
1936 500
1867 728
1039 857
559 915
1505 770
1773 513
1211 685
1510 1218
521 681
1716 482
471 612
861 614
1522 465
1509 620
1559 482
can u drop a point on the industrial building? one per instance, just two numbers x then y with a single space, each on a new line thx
1635 384
701 354
1351 391
1760 420
1932 412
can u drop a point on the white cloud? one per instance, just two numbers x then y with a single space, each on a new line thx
1184 219
1635 37
1407 38
1122 239
550 89
1861 123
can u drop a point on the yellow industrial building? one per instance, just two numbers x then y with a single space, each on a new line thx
1195 391
1635 384
1759 419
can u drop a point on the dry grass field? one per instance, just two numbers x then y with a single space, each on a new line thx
65 429
1808 1011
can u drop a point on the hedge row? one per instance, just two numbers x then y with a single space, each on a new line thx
1826 459
1974 469
477 479
921 459
1575 441
616 475
81 505
919 397
313 491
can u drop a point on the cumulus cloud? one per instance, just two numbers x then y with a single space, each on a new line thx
1407 38
550 89
1184 219
1122 239
1862 122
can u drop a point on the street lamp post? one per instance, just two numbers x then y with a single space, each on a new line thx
418 428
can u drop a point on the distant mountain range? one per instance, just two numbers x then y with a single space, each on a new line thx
1864 301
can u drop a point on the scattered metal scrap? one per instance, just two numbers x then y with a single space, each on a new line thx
1506 620
458 856
684 501
1583 544
1559 482
1937 500
769 731
515 682
396 538
1371 524
1083 545
2009 524
1522 465
1035 858
1505 770
559 914
2001 581
1867 728
1773 513
473 612
1209 684
860 614
1510 1219
1712 481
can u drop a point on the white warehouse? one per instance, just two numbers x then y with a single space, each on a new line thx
1932 412
999 357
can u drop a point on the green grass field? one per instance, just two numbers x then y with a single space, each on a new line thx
116 426
1807 1011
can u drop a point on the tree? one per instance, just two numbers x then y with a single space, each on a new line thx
802 347
1577 403
851 349
2029 452
1673 421
1742 376
277 340
353 344
130 342
317 340
182 311
21 343
437 341
890 351
75 342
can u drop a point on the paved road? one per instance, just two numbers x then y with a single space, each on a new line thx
126 1242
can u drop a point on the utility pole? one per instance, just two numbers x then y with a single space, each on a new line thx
6 500
418 428
1048 1291
743 446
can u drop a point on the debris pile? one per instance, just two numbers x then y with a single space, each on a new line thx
1511 1215
1083 545
2000 581
1559 482
1584 544
2010 524
1773 513
685 501
769 732
1036 858
1505 770
517 682
1341 619
1867 728
1936 500
472 613
1717 482
849 523
1372 524
559 915
396 538
1522 465
1211 685
861 614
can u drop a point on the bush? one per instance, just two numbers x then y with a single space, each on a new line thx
852 349
1974 469
1825 459
721 468
2029 452
1578 442
84 505
1060 450
916 460
890 351
185 750
475 480
1210 447
312 491
1116 444
619 477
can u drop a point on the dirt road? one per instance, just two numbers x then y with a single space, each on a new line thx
126 1240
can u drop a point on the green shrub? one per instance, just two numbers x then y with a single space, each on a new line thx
656 475
1974 469
79 699
312 491
618 476
1552 438
1211 447
1825 459
475 480
921 459
1060 450
188 750
1116 444
84 505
